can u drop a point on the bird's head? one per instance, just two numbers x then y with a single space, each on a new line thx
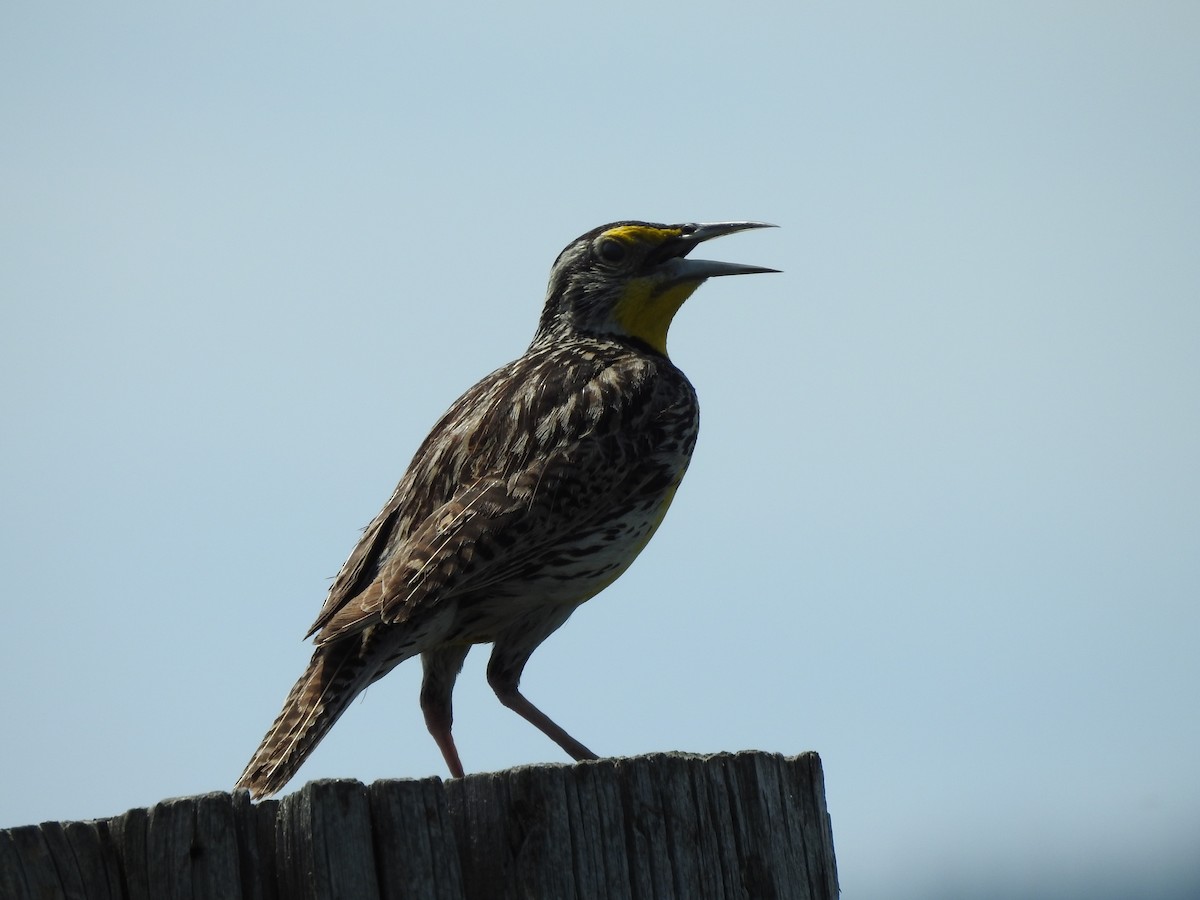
628 279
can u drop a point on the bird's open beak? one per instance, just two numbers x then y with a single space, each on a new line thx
671 256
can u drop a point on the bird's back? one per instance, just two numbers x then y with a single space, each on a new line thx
539 485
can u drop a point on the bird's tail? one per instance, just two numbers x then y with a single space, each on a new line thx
334 677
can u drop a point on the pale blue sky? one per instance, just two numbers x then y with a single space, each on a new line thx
943 518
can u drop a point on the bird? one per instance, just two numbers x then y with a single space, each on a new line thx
533 492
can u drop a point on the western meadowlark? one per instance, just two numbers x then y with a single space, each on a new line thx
534 492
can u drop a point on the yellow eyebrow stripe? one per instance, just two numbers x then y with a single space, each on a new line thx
643 233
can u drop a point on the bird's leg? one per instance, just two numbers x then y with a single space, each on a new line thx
504 675
441 669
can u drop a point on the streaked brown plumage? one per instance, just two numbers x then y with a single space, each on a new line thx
534 491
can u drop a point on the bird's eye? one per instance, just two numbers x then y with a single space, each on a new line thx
612 251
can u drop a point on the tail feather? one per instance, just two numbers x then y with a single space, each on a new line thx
334 677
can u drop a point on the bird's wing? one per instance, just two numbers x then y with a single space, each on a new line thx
490 529
362 566
531 451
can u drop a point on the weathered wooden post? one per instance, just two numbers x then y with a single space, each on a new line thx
663 827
